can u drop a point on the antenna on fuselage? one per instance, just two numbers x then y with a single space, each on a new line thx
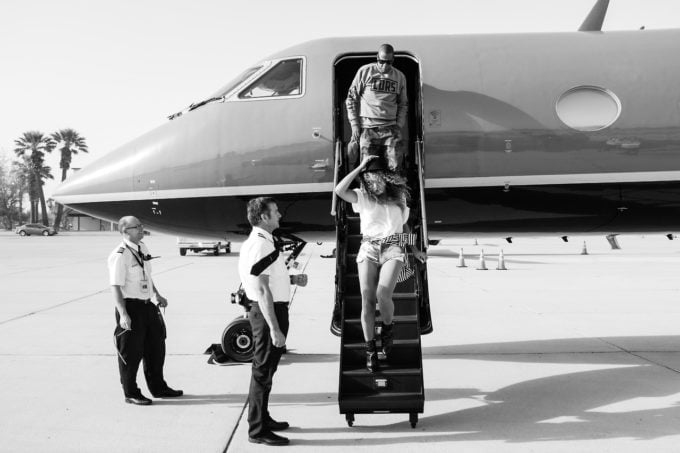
596 17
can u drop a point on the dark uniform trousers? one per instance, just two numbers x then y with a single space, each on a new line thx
145 341
265 361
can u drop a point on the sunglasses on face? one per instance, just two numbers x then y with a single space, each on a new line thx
140 226
385 61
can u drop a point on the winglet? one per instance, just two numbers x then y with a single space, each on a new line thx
596 16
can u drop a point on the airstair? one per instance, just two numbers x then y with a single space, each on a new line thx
397 387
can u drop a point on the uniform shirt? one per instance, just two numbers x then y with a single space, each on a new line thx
381 98
379 220
252 261
125 271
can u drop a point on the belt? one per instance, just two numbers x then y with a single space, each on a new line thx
400 239
276 302
130 299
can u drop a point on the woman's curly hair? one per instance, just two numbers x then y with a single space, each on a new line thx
396 187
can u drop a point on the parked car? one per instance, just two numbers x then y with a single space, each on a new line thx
198 245
35 228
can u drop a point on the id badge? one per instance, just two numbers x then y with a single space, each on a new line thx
144 285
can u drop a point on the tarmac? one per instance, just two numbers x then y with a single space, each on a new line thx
561 352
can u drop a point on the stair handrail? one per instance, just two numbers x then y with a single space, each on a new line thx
421 184
338 164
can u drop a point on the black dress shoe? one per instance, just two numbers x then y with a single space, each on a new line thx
273 425
139 400
269 439
168 393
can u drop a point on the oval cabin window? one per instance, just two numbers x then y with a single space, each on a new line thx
588 108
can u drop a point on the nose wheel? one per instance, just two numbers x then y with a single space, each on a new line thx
237 340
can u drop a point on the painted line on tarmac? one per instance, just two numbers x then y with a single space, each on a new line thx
233 431
77 299
34 269
637 354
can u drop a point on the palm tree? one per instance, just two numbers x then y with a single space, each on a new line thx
72 143
23 175
37 144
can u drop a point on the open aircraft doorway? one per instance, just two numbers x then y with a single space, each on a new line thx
345 68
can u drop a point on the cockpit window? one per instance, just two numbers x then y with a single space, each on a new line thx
284 79
236 82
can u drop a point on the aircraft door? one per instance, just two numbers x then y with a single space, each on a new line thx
282 112
346 67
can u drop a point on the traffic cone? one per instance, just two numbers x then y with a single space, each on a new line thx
584 250
461 259
482 263
501 262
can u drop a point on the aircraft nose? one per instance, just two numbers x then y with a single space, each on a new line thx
99 188
101 180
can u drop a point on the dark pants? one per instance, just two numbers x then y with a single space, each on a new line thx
145 341
265 361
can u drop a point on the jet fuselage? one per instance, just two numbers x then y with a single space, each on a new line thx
514 129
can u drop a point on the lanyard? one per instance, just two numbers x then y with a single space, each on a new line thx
139 259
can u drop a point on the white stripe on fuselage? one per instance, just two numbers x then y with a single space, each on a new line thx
201 192
561 179
436 183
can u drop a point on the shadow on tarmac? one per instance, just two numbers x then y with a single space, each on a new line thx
596 404
563 350
518 413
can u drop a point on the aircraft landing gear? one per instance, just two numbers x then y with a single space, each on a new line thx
237 340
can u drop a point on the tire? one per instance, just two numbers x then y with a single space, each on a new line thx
227 248
216 250
45 233
237 340
183 252
22 233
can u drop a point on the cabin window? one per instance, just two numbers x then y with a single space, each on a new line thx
588 108
245 75
284 79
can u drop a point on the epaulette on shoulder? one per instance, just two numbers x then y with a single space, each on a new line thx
262 235
120 250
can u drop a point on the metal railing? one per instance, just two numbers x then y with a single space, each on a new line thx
338 164
421 183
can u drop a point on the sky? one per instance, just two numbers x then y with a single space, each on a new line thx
113 70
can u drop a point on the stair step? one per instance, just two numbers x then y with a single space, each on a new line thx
395 296
385 369
351 284
358 403
395 395
397 319
405 304
397 344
